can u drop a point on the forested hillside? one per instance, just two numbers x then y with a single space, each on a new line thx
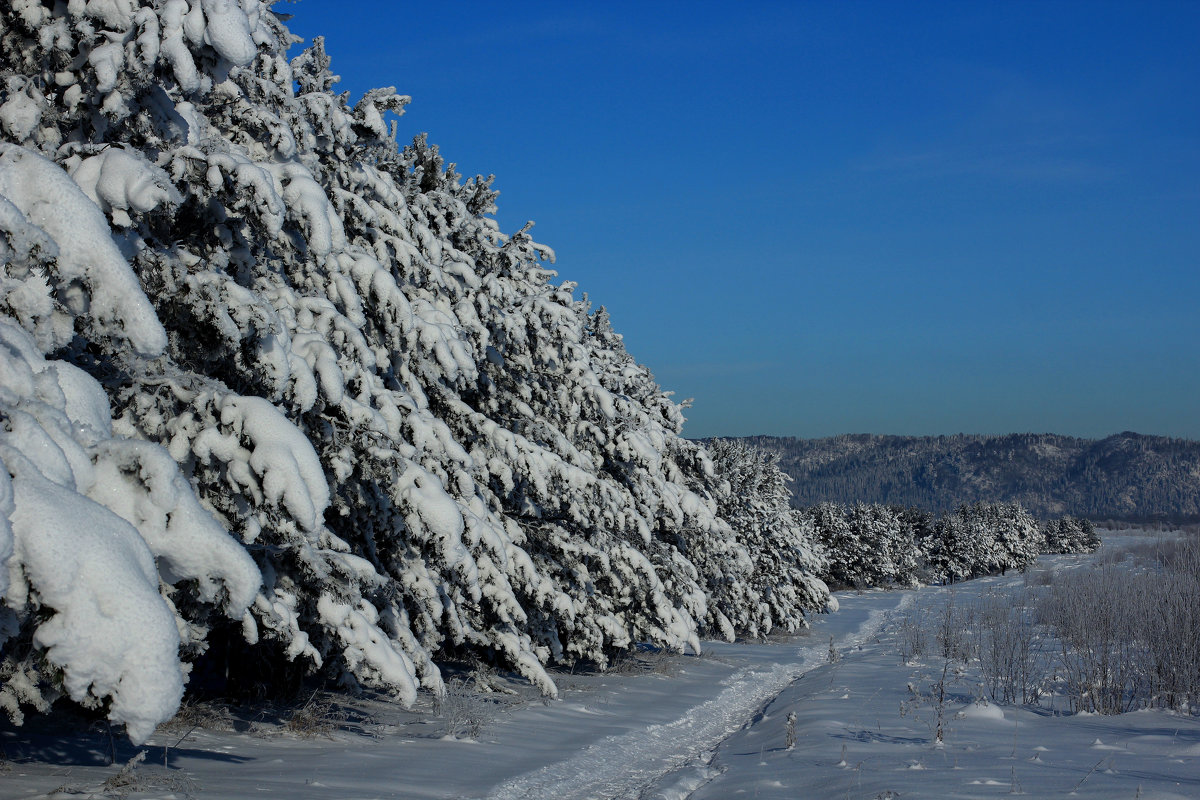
278 399
1126 476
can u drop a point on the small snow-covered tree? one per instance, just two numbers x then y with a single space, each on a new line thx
1088 540
1069 535
945 551
868 545
842 544
1017 535
919 528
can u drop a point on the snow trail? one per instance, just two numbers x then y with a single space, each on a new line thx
625 765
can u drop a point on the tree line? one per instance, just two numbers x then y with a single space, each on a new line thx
876 545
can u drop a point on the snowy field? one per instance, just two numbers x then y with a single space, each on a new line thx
706 727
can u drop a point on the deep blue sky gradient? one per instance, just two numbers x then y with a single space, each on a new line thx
819 218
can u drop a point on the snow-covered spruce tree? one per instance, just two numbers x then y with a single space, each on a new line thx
981 539
889 551
920 528
1088 539
424 446
1019 536
842 544
781 542
110 564
867 545
1056 535
537 423
1069 535
1005 536
947 552
543 432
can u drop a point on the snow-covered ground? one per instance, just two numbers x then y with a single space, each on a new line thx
861 734
666 727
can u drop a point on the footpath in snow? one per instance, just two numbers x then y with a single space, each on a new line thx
626 764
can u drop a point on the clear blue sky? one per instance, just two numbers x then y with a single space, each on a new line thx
821 218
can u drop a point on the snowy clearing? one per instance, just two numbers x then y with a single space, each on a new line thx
663 726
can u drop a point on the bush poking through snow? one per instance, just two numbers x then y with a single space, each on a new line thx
319 717
463 712
933 697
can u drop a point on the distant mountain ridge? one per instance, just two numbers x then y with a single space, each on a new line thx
1127 476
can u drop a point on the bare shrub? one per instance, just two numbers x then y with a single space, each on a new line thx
1090 614
1130 635
464 712
132 777
912 636
953 627
1008 657
1171 636
320 716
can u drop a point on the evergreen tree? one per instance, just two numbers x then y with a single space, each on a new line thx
779 542
1069 535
